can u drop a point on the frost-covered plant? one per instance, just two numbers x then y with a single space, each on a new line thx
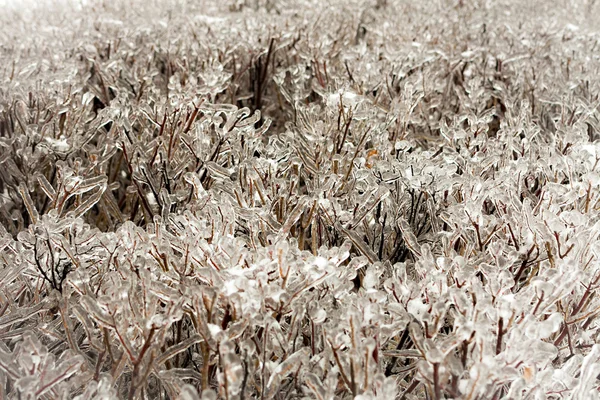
284 199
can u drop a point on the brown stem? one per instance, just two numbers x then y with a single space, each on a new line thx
137 363
499 335
437 392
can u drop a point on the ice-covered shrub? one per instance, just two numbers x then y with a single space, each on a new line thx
299 199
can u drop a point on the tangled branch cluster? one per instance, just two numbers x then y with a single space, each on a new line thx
284 199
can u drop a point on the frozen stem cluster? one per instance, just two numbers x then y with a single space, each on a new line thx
285 199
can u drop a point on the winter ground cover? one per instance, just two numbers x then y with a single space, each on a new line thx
284 199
